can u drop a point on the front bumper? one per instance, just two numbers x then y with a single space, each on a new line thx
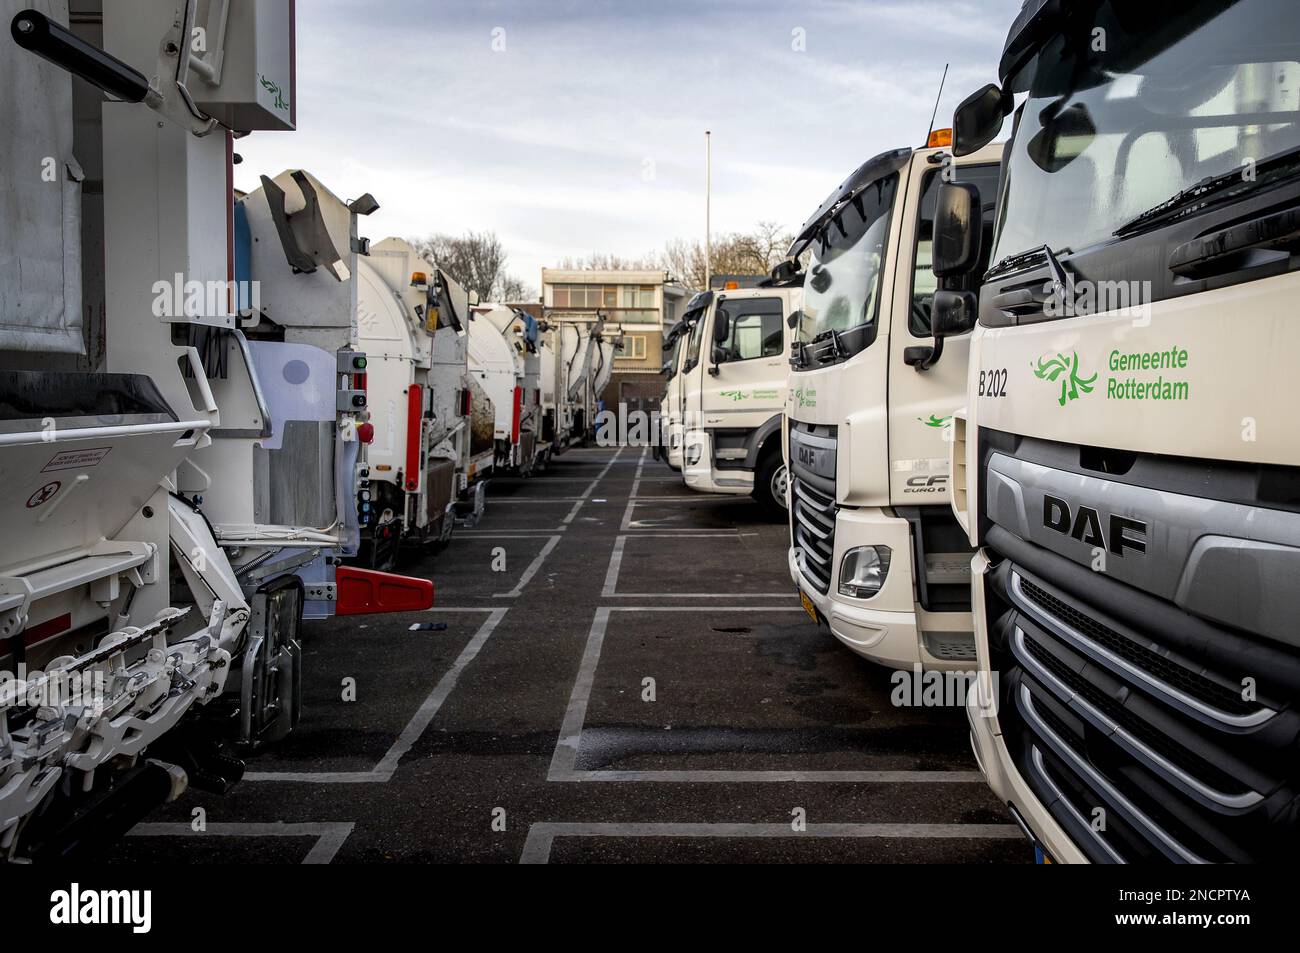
885 629
699 473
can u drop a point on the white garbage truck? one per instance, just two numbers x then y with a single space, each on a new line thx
494 365
584 362
874 548
413 320
1131 465
158 559
734 389
523 338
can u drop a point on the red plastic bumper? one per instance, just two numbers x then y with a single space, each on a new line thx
365 592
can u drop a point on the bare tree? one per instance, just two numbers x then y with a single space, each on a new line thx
750 253
765 246
510 288
604 261
474 260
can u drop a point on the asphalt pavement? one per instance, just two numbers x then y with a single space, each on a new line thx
625 675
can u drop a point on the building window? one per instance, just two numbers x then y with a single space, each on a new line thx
639 296
634 348
636 301
591 297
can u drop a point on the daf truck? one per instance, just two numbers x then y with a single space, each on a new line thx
174 504
1131 464
874 550
734 390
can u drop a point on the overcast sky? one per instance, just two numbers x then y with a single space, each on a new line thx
571 127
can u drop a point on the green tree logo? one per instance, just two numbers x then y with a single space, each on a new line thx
274 89
935 421
1050 368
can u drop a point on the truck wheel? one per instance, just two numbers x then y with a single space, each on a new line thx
770 484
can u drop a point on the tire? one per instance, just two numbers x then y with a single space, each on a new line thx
770 484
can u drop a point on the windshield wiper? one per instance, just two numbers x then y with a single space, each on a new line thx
1266 171
1061 279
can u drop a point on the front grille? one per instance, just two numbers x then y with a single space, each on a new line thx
1164 668
1109 720
812 519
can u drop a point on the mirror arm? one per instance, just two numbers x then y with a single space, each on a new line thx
922 357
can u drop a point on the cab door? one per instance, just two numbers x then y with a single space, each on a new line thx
921 402
743 377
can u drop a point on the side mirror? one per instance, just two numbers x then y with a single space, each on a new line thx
721 332
721 326
978 120
1063 138
953 313
958 228
784 271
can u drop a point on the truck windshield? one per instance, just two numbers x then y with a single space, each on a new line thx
842 288
1130 106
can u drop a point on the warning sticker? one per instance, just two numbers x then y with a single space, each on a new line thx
77 459
44 494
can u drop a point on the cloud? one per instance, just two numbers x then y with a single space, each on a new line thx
586 132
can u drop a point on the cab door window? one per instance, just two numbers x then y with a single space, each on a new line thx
757 330
984 178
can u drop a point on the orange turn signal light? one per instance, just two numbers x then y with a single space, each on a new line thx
939 139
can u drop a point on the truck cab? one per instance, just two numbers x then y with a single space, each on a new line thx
1131 477
874 549
734 387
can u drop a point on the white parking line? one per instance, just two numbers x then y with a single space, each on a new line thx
541 836
591 488
565 758
715 498
616 563
329 835
532 532
531 571
631 499
387 767
600 476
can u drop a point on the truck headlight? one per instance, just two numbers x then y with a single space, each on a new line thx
693 454
863 571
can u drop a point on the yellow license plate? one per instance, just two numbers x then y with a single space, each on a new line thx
808 607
